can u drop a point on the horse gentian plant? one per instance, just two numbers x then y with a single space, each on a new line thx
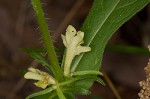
77 73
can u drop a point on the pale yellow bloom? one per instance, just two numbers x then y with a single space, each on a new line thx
72 41
43 78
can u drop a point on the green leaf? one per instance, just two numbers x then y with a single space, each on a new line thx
67 95
78 90
43 92
88 78
78 87
105 17
92 72
60 93
78 79
38 57
70 81
99 80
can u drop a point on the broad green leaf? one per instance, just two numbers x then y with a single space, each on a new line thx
105 17
41 93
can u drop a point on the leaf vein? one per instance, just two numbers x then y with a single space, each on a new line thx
79 58
127 4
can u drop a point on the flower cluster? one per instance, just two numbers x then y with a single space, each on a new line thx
145 84
43 78
72 41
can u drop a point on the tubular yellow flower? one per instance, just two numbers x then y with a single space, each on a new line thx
43 78
72 41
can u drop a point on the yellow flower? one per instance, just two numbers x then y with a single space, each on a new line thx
72 41
43 78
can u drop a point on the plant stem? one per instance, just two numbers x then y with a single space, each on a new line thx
55 68
111 85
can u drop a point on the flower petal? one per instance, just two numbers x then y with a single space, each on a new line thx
78 38
72 41
64 40
32 75
44 79
70 33
41 84
81 49
32 69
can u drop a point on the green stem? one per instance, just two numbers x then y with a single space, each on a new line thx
47 40
53 95
60 93
111 85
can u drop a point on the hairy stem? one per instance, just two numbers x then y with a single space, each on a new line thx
55 68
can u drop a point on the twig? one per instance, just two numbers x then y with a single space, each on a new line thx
111 85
